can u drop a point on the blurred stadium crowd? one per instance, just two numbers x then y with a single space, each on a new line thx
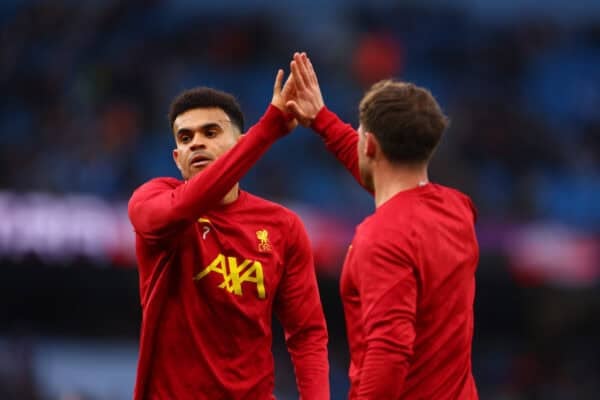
85 91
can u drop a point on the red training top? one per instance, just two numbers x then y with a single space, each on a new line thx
408 285
212 275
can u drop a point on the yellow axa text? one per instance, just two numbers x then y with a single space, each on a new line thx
234 274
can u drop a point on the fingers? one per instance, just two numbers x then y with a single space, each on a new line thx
278 82
288 86
311 72
302 70
298 79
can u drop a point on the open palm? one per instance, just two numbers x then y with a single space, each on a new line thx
307 99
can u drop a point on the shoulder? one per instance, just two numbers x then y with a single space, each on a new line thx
393 219
461 198
159 183
153 186
383 247
448 191
385 231
162 182
389 232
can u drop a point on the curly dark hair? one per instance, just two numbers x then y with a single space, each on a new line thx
204 97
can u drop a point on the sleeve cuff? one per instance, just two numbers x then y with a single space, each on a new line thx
276 121
324 119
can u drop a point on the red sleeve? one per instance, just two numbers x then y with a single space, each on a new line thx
340 138
388 291
473 208
156 209
298 307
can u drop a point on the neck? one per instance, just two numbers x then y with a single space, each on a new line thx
390 179
232 195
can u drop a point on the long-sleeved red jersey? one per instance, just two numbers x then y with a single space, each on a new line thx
408 285
211 277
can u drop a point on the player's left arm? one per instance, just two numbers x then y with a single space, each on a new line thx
298 307
388 291
307 105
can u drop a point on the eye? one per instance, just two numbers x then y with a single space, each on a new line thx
211 133
184 138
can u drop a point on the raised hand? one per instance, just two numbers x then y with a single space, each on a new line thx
306 100
282 95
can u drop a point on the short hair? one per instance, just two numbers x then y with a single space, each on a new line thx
406 120
204 97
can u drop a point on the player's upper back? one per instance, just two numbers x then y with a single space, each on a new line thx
436 225
433 226
443 222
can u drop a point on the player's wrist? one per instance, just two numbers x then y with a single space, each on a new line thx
280 122
322 119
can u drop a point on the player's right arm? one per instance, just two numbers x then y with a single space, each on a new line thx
389 294
161 206
310 110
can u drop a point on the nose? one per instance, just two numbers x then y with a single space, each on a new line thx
197 142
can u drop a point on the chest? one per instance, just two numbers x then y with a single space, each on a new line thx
232 261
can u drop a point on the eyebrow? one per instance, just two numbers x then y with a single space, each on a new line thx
208 125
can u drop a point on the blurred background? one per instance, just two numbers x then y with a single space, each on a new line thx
85 89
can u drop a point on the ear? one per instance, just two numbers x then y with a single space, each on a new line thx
371 145
176 159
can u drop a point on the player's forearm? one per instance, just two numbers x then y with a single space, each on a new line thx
188 202
340 138
299 309
308 350
206 189
389 318
383 372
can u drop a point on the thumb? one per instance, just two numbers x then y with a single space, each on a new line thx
294 108
289 82
278 82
